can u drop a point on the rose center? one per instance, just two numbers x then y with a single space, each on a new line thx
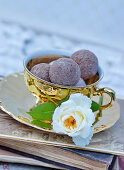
70 123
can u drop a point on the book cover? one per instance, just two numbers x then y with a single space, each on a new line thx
55 156
100 157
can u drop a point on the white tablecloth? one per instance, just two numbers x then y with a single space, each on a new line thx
16 42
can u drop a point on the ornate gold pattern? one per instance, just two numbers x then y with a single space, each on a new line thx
22 100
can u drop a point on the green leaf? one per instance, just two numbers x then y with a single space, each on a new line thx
43 111
99 114
64 100
41 124
95 106
101 100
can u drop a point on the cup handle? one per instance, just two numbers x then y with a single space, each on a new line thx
108 91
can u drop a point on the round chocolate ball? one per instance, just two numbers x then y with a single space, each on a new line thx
64 71
41 71
80 83
87 62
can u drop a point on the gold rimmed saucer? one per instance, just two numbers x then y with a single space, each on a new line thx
16 100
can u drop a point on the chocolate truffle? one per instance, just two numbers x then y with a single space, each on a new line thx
80 83
87 62
64 71
41 71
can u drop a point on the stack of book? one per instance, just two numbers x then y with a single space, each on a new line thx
16 147
54 157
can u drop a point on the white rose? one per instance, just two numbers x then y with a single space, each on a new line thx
75 118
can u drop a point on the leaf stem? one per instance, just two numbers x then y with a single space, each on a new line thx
50 99
99 114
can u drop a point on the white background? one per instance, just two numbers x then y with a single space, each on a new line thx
99 21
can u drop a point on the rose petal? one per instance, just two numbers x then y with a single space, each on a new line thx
56 114
90 117
67 104
78 106
57 128
82 142
84 133
81 100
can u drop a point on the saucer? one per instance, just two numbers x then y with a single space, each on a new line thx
16 100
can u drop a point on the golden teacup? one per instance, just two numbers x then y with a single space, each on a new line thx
47 91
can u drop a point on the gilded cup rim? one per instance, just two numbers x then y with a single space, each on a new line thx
56 52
